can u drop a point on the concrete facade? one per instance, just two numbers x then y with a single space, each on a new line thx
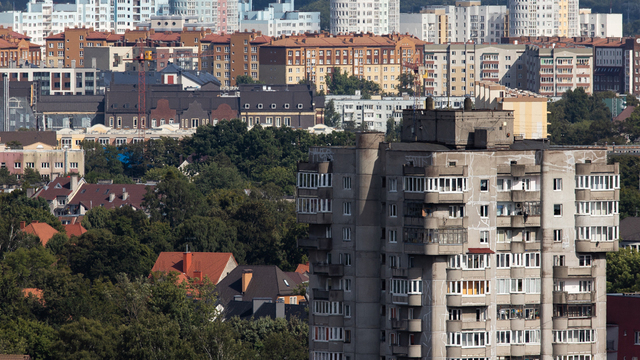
279 18
471 21
600 25
365 16
544 18
457 243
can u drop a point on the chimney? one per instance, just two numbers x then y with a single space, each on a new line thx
280 309
186 260
74 182
125 194
22 225
112 196
247 274
198 275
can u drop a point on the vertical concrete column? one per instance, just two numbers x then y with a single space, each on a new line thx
368 217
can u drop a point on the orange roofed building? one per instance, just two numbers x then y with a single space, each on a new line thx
43 231
215 266
17 49
75 229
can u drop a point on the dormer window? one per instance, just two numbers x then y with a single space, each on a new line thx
273 106
299 106
246 106
259 106
286 106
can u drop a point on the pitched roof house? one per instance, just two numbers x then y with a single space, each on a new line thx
43 231
247 282
198 265
75 229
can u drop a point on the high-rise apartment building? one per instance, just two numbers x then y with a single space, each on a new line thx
600 25
429 25
552 70
544 18
379 17
471 21
457 243
279 18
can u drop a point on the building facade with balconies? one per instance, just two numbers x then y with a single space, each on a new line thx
457 243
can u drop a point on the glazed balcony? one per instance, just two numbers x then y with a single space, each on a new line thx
410 325
563 297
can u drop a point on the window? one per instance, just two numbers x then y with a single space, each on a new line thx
347 259
456 211
559 260
584 260
503 184
73 165
532 260
557 235
313 205
557 184
405 287
346 208
557 210
59 165
484 211
393 236
504 337
414 184
314 180
44 165
347 311
469 287
484 237
17 165
393 184
484 185
598 182
454 314
346 234
469 339
574 336
346 183
346 284
393 210
584 286
637 338
504 236
29 165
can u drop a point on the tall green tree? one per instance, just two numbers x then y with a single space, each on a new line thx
340 83
331 117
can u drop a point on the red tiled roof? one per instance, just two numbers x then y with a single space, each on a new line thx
297 277
211 264
93 195
74 229
215 38
480 251
58 36
302 268
98 35
43 231
165 37
37 293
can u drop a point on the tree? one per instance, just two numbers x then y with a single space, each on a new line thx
406 83
14 144
6 178
340 83
246 79
87 339
331 117
31 176
394 131
632 100
623 271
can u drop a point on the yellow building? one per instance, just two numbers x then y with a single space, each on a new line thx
289 60
529 109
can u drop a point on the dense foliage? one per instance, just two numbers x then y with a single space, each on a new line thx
340 83
623 271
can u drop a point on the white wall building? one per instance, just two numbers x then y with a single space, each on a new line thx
543 18
379 17
376 111
429 25
278 19
600 25
469 20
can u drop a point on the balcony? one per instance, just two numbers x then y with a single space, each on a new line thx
445 241
596 246
319 167
331 295
410 300
522 196
411 351
333 270
315 244
563 272
518 221
588 195
412 325
563 297
446 198
460 300
318 218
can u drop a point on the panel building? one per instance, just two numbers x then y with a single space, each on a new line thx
457 243
379 17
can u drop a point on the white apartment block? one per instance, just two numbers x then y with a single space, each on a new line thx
471 21
376 111
453 69
365 16
430 25
221 14
543 18
278 19
600 25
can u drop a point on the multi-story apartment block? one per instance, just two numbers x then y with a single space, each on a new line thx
232 55
57 81
119 58
50 163
430 25
544 18
471 21
365 16
553 69
457 243
375 112
279 18
313 57
600 25
73 138
453 69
